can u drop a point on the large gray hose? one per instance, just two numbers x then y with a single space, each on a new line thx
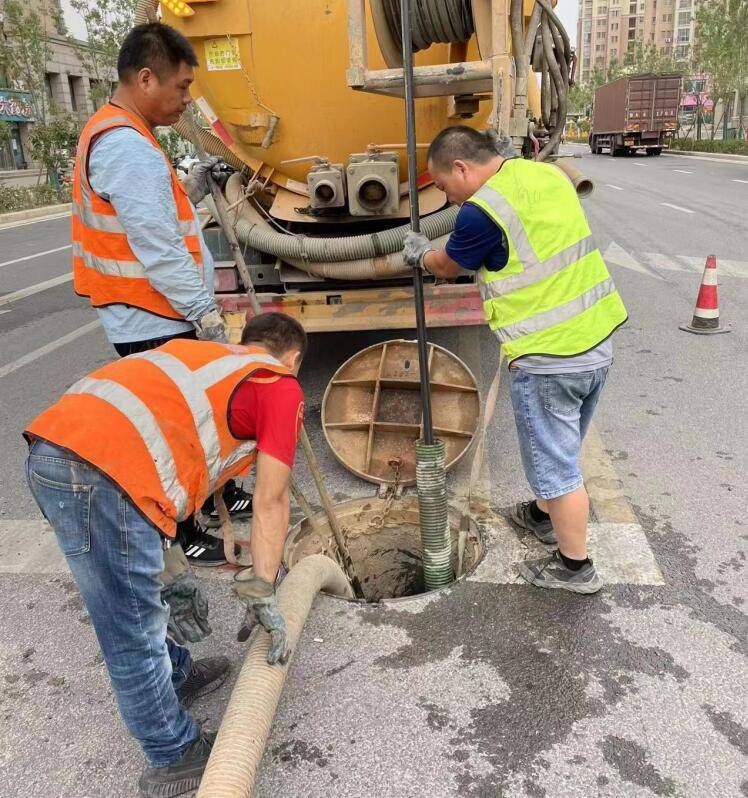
237 751
253 230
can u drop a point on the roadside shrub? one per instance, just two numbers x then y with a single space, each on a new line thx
22 198
728 146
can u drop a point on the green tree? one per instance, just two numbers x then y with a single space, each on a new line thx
647 58
107 22
721 49
53 142
581 95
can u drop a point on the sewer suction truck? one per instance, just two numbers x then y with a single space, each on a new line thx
303 99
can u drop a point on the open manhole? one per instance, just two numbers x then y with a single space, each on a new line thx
386 551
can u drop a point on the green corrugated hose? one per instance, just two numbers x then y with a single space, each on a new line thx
432 504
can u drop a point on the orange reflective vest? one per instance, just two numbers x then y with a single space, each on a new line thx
156 423
105 268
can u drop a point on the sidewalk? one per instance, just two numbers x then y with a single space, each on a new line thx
36 214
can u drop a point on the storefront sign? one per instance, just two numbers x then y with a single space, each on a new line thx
15 106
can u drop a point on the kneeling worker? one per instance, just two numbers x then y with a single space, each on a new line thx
125 454
549 299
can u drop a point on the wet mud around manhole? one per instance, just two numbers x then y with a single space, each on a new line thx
387 556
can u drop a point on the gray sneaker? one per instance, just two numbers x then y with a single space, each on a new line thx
543 530
550 572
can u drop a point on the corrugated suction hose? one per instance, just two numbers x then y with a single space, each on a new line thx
256 232
237 751
436 537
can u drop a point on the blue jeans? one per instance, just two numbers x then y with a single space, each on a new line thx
553 413
116 557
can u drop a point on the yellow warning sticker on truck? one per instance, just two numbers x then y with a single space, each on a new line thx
222 54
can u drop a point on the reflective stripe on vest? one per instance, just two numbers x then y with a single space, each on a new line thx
193 386
145 422
105 269
515 303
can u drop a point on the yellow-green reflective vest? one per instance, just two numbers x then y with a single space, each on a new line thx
555 295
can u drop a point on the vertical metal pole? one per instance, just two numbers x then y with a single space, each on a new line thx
410 122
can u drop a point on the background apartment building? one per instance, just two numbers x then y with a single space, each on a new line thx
67 84
608 29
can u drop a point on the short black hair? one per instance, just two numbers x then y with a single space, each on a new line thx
156 46
460 142
277 332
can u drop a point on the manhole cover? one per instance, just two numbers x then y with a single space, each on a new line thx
371 411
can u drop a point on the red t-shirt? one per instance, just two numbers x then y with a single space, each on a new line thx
269 410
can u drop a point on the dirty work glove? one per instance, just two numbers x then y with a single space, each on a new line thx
262 608
188 605
415 246
210 327
196 183
501 143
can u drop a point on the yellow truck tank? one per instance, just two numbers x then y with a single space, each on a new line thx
304 99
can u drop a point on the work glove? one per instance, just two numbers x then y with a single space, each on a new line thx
415 246
262 607
188 605
211 327
501 143
196 183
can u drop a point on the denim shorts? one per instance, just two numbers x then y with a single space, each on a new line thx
553 413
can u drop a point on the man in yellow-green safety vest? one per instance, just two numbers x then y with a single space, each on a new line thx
549 299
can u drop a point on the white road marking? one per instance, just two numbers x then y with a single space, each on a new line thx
683 171
617 255
617 188
621 553
735 180
36 255
14 365
643 165
35 289
677 207
652 263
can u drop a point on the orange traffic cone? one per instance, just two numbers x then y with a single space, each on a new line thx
706 313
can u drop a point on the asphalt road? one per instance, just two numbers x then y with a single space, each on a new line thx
493 688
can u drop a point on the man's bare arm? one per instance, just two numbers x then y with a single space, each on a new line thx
270 514
441 265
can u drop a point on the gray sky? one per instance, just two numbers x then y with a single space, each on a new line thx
566 9
73 21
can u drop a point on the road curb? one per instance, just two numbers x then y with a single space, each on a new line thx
710 156
33 213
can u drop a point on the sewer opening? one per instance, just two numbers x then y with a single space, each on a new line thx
384 544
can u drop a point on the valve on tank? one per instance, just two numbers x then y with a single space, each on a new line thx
325 182
373 184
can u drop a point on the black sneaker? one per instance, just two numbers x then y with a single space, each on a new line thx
181 776
550 572
543 530
206 675
201 548
238 503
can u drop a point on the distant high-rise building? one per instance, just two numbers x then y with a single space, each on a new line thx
608 29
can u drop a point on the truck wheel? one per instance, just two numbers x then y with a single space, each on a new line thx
655 151
616 152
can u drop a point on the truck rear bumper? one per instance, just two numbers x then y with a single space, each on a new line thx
447 305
